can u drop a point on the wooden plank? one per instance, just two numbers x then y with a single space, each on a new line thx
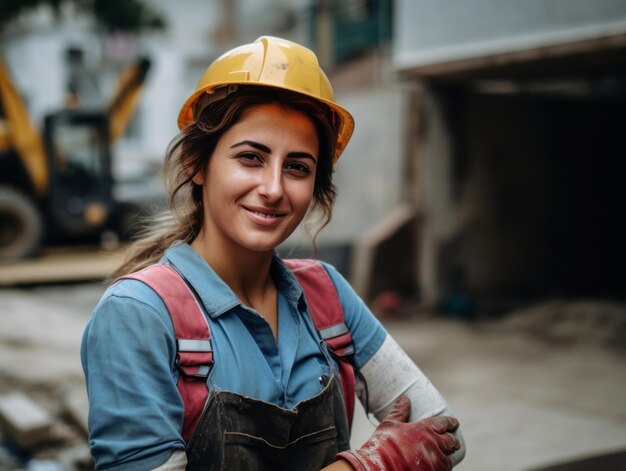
61 266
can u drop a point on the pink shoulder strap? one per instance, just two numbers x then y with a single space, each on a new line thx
194 354
329 320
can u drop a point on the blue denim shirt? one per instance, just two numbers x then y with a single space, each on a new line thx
128 353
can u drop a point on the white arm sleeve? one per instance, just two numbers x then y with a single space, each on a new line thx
176 462
390 373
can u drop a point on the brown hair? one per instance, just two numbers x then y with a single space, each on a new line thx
190 151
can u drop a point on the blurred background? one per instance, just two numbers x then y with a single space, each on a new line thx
477 214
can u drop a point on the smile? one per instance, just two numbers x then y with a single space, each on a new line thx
265 215
262 215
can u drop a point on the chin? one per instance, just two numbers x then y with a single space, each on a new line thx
260 246
262 242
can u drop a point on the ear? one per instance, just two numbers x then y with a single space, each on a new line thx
198 178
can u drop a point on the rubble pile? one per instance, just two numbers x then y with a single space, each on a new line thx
44 430
599 323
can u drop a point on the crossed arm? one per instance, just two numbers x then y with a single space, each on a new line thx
415 419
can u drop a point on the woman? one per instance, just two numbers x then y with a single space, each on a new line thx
259 140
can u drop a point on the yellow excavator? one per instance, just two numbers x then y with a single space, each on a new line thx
56 185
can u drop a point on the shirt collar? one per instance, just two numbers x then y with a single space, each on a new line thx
214 293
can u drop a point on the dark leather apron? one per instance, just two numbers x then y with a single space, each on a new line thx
239 433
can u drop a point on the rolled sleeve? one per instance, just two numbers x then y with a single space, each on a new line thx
136 411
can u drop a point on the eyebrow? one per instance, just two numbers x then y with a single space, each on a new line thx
264 148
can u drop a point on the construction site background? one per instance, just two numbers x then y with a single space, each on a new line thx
479 207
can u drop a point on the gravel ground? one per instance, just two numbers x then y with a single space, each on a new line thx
543 385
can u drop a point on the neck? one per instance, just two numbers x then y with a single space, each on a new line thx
247 273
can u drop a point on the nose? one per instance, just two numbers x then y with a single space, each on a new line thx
271 185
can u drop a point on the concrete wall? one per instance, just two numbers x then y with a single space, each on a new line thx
433 31
516 167
433 152
369 174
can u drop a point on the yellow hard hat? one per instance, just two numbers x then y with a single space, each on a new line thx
271 62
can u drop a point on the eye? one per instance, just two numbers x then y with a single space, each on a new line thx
297 168
249 158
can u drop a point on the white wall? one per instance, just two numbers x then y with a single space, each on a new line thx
369 175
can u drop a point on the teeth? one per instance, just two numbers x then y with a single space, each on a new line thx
265 215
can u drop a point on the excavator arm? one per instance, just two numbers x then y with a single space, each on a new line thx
126 97
67 165
18 133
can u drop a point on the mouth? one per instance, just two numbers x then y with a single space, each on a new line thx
265 213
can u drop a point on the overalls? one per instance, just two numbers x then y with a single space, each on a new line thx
236 432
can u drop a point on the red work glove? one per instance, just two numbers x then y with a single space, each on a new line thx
397 445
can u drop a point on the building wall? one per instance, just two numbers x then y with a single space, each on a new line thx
520 196
516 185
435 31
369 175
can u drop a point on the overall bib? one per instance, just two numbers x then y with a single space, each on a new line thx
238 433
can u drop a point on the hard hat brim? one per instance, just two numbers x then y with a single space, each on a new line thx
346 126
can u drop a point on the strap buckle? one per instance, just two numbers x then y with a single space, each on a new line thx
194 358
339 340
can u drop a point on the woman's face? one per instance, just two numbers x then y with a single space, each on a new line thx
259 182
